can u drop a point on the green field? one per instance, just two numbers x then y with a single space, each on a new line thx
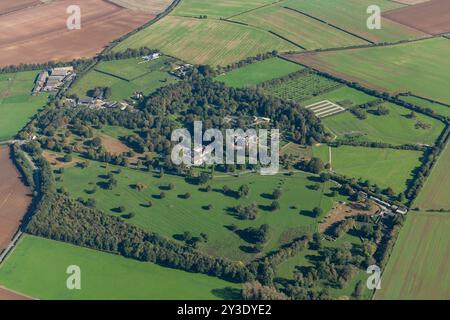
351 15
301 87
125 77
436 107
385 167
418 266
217 8
258 72
116 132
174 214
420 67
37 268
344 96
300 29
17 105
435 194
394 128
205 41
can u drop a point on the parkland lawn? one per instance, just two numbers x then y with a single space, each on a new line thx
420 67
418 266
385 167
395 128
258 72
37 267
125 77
17 105
173 215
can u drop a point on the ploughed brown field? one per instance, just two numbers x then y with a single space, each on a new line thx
15 198
6 294
432 17
39 34
7 6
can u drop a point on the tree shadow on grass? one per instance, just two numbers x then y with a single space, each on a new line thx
307 213
228 293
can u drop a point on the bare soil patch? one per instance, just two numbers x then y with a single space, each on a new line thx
342 211
56 160
39 34
8 6
6 294
432 17
15 198
113 146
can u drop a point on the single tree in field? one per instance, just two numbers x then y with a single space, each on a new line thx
317 212
276 193
275 205
140 186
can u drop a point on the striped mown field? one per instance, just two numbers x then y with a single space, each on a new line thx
205 41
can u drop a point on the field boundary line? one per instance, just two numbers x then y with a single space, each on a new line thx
246 25
254 9
17 293
329 24
111 75
424 98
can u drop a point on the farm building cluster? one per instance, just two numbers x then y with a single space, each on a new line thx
387 208
95 103
182 71
325 108
53 79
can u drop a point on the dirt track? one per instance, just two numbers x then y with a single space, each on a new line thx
39 34
14 198
432 17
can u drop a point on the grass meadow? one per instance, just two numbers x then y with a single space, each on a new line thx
419 67
418 266
205 41
435 194
217 8
258 72
126 77
395 128
436 107
344 96
174 214
385 167
300 29
17 105
104 276
351 15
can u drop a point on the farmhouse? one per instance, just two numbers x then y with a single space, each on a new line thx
152 56
181 71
